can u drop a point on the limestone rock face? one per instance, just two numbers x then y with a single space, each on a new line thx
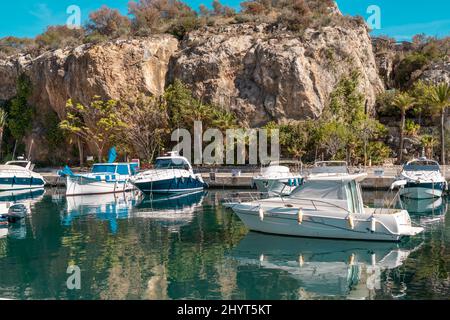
117 70
260 73
265 76
8 77
436 73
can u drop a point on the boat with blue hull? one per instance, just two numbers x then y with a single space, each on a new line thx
171 174
423 179
19 175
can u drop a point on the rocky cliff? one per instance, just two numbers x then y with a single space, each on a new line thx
274 76
259 73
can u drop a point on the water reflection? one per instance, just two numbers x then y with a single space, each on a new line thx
333 268
435 206
172 211
104 207
211 255
26 198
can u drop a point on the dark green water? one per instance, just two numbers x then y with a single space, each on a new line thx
193 248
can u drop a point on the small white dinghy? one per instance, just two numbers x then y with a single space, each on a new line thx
327 205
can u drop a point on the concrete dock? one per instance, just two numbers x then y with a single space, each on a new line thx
377 178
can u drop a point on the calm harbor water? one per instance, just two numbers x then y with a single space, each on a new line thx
129 247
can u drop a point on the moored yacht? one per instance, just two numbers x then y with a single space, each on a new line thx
171 174
103 178
423 178
326 205
276 179
19 175
110 177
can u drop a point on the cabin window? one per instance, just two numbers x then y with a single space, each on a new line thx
171 164
104 168
354 199
134 167
122 169
20 164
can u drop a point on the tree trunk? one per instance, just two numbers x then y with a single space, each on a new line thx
14 150
365 153
443 137
80 152
1 140
402 129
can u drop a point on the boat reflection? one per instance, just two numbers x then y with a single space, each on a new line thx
106 207
434 206
18 203
324 268
172 211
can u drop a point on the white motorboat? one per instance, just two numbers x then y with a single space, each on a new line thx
423 178
19 175
172 174
276 179
104 178
323 267
109 177
327 205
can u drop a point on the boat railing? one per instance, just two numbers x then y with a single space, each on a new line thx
14 171
239 197
285 201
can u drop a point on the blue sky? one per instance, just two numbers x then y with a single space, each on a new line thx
400 19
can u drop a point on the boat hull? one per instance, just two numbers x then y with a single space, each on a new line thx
423 190
75 187
390 227
170 185
21 183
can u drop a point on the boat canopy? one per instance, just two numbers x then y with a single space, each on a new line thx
119 168
19 163
330 167
421 164
275 169
345 194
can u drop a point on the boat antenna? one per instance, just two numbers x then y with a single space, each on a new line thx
29 150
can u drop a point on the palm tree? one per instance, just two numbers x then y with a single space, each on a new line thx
428 142
403 101
3 121
440 99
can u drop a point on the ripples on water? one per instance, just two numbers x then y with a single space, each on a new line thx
190 247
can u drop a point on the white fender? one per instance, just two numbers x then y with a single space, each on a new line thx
373 224
301 261
300 216
351 223
261 214
352 259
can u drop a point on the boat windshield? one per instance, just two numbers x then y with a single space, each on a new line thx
104 168
421 166
316 189
18 163
172 163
